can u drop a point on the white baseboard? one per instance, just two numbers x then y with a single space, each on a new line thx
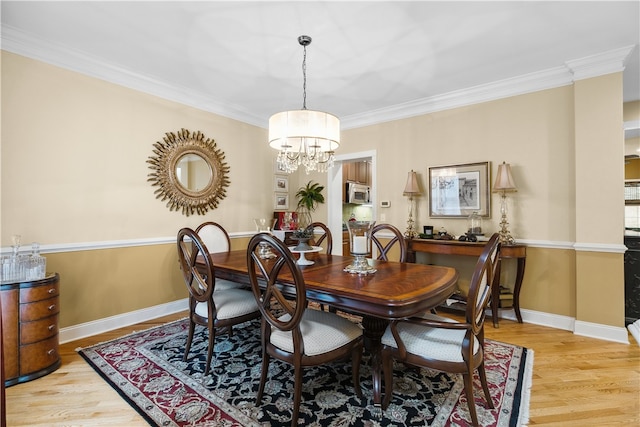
603 332
591 330
95 327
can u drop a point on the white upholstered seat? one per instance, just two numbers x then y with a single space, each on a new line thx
322 332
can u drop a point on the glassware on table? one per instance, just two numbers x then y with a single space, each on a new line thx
360 246
19 267
265 225
36 268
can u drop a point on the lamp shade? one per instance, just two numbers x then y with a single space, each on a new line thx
306 128
412 188
504 180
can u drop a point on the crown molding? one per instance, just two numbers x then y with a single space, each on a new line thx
16 41
21 43
533 82
612 61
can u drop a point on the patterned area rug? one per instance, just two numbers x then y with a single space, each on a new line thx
146 368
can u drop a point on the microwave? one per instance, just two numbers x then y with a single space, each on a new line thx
357 194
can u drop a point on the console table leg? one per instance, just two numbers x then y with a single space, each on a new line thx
517 287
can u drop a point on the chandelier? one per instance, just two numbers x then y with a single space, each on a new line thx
304 137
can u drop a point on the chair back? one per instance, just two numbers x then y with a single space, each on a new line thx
214 236
481 283
282 306
325 236
397 239
200 280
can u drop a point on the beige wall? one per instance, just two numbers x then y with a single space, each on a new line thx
74 170
599 197
74 152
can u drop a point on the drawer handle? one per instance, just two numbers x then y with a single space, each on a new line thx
52 307
51 327
50 352
52 290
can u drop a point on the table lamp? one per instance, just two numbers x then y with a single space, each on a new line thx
504 183
411 189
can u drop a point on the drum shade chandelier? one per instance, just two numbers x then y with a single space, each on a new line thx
304 137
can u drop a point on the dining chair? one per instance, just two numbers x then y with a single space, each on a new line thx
290 331
215 309
216 239
445 344
397 240
325 235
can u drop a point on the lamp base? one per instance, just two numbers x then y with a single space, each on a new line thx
505 234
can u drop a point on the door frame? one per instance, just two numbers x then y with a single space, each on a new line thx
335 192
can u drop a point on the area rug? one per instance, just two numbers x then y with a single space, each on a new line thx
147 370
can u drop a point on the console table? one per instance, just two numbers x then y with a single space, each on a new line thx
474 249
30 328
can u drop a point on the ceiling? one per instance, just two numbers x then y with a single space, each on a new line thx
368 61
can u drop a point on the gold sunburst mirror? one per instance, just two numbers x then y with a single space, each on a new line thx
189 171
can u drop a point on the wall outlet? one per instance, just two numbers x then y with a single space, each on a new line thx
383 217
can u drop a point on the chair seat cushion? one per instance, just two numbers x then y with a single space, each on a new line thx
322 332
223 285
230 303
430 343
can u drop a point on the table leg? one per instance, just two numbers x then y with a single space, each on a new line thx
374 328
516 288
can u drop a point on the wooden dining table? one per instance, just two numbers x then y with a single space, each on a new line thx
396 290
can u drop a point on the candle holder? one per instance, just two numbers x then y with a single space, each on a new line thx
360 245
265 225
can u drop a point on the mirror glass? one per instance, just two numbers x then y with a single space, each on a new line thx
193 172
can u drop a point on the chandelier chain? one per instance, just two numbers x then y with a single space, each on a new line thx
304 78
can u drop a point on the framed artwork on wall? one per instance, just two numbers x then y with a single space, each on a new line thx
278 168
281 201
281 183
457 191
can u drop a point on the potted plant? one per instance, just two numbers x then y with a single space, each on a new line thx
309 197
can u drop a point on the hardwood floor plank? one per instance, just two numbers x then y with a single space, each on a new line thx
577 381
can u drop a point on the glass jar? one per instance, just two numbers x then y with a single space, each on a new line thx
474 224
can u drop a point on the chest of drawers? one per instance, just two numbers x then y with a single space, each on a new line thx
30 313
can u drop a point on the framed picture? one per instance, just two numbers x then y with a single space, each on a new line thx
277 168
281 183
281 201
459 190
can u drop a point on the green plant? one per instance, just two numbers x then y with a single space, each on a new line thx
310 196
302 233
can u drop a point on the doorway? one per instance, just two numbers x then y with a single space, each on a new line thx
335 191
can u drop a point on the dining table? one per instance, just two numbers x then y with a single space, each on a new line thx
396 290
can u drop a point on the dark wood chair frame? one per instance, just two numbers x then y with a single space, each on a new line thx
384 249
200 281
273 302
477 301
326 236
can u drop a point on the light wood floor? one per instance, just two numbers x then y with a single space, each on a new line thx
577 381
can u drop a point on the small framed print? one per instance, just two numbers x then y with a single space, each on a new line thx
281 201
281 183
278 168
